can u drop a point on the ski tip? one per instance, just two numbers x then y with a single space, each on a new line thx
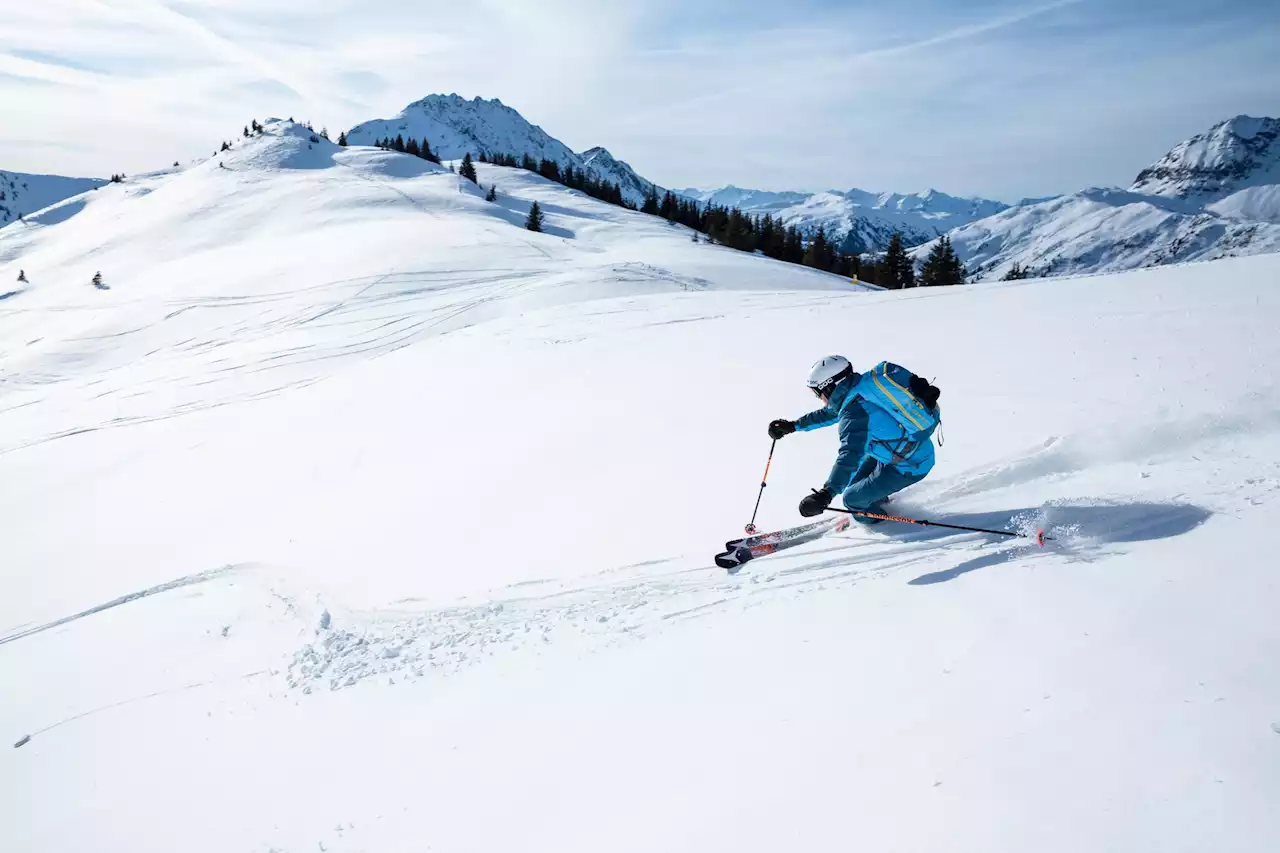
733 559
1040 538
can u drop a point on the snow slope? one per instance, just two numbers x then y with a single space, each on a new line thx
21 194
1215 195
355 517
454 126
862 221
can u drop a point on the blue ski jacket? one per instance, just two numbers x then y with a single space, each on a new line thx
861 423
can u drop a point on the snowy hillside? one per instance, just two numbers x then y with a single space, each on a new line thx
454 126
355 517
861 221
22 194
1216 195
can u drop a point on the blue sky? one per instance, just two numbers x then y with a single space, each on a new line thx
999 99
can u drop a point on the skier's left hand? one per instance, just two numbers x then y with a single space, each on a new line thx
816 503
780 428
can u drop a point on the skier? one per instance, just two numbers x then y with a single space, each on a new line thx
886 419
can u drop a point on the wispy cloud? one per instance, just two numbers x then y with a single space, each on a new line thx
993 97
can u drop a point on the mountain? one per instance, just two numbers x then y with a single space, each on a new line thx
22 194
1215 195
859 220
1233 155
606 166
455 126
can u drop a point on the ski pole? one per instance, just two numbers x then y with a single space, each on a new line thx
751 525
1039 537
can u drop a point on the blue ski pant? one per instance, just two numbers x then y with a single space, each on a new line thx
873 483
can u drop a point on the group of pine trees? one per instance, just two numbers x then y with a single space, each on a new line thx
417 149
569 176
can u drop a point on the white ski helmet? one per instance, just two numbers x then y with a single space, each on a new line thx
826 373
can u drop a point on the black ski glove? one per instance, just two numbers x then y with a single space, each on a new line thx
816 503
779 428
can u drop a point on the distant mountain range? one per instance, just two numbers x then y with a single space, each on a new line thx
858 220
1214 195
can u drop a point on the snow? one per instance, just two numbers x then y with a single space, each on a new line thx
354 516
861 221
25 194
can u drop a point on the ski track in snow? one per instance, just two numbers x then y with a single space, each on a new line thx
188 580
395 644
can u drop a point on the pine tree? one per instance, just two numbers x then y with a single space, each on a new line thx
528 163
897 270
819 254
226 145
534 222
97 279
954 271
1017 272
246 131
934 272
398 144
324 133
428 154
22 275
342 139
650 202
468 169
492 194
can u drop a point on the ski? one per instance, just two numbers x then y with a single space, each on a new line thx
739 551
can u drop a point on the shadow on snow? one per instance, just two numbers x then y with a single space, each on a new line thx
1076 528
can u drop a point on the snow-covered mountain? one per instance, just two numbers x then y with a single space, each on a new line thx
22 194
455 126
353 515
1233 155
606 166
861 221
1215 195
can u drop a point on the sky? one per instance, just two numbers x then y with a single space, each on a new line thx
998 99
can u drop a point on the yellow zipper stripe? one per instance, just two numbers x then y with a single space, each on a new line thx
875 377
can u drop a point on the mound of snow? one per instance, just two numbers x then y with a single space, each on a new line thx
1255 204
282 144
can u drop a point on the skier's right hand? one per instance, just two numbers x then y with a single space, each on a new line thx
780 427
